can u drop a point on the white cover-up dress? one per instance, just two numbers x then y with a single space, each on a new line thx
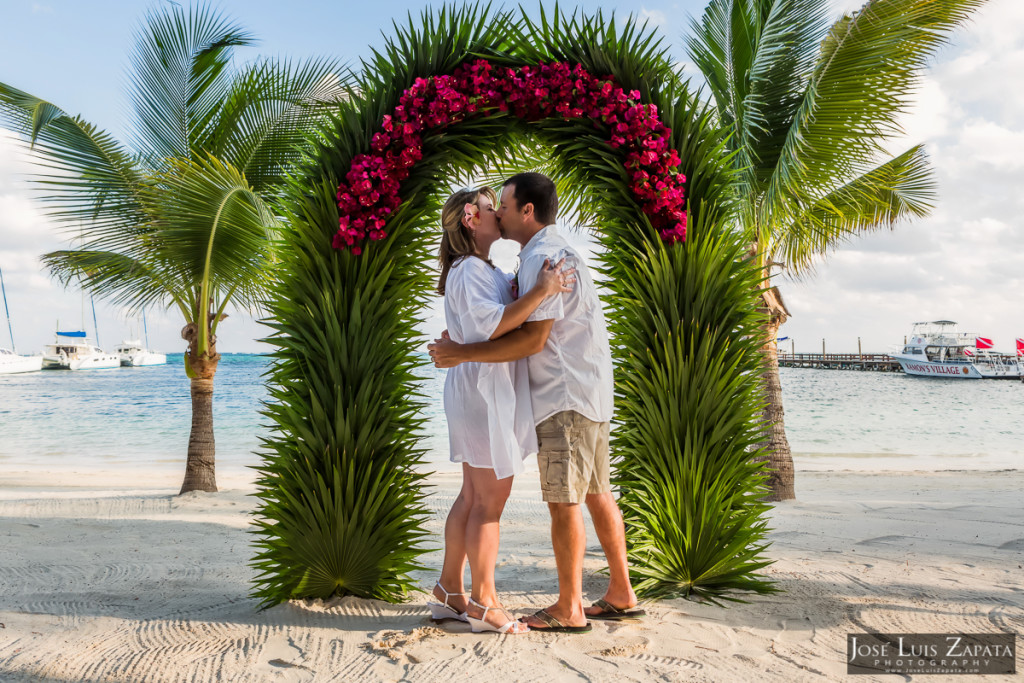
490 417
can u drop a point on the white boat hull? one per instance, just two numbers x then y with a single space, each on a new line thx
958 370
139 359
96 362
11 365
924 368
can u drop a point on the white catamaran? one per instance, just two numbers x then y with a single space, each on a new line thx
937 349
73 351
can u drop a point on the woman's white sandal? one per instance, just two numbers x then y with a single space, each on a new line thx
481 625
441 612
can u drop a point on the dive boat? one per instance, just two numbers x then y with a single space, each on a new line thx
133 354
11 363
937 349
73 351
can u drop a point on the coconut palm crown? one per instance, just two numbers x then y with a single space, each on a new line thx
811 109
178 216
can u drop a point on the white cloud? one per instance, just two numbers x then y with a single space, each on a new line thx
929 114
964 262
985 142
654 17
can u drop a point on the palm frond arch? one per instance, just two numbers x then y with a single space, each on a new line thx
342 488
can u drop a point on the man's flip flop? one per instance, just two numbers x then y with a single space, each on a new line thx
610 612
553 625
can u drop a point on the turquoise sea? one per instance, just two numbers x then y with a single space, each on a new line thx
136 418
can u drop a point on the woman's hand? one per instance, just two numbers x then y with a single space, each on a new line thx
550 281
553 280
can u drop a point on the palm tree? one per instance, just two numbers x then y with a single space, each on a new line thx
809 108
179 215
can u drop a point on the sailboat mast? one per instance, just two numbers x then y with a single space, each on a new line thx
94 325
144 328
9 328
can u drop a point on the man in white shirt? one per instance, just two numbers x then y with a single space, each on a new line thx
571 387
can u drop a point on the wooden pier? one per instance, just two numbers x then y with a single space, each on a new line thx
874 362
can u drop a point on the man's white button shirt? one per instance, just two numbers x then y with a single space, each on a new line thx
574 370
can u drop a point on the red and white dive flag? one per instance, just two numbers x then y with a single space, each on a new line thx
968 351
1020 346
982 343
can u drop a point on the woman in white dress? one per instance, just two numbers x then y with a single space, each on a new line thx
490 419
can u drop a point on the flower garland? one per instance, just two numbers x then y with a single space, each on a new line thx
369 194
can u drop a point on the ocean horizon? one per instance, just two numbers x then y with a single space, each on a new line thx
132 418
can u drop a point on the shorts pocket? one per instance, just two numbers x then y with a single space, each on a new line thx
554 470
554 439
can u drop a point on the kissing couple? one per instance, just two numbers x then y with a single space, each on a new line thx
531 372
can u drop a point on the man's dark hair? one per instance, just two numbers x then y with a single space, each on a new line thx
536 189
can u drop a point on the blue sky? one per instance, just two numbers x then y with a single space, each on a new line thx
965 262
76 53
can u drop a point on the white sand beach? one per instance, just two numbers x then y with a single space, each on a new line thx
121 580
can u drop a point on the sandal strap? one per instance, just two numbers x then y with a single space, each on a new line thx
544 616
485 608
448 595
608 608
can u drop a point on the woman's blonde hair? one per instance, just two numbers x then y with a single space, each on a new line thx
456 239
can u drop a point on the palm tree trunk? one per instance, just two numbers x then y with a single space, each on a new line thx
780 458
200 467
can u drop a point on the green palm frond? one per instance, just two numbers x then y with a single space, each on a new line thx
628 50
121 279
809 111
435 43
271 108
181 78
336 536
684 327
87 176
213 227
869 65
755 55
901 188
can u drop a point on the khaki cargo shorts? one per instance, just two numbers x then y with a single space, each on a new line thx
573 457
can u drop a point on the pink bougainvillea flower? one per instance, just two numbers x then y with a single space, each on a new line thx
370 192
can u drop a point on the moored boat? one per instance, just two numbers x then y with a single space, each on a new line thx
73 351
11 363
132 354
937 349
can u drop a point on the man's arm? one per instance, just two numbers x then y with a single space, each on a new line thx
519 343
